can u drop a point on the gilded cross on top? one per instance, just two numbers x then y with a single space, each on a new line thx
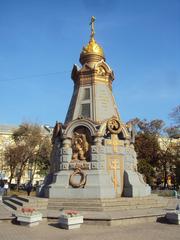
92 26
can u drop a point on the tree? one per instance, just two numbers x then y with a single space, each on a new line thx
147 147
29 149
147 170
175 115
174 133
12 159
41 162
156 149
166 159
171 153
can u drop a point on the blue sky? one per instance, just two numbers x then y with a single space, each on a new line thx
40 40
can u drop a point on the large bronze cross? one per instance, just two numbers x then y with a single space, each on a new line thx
92 26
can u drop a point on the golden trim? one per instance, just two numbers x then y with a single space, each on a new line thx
114 163
114 142
114 126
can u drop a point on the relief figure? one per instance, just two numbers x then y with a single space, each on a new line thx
79 147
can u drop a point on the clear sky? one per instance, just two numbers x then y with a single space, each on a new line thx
40 40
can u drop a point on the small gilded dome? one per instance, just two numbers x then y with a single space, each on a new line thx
92 48
92 52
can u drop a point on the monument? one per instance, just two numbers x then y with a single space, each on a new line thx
93 153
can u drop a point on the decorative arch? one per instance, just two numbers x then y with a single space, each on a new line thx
102 129
78 123
86 67
124 131
105 66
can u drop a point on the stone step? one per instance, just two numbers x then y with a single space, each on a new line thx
126 201
101 208
21 198
16 202
31 199
12 204
154 196
108 204
105 203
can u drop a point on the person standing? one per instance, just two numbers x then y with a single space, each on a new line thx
29 188
1 188
6 187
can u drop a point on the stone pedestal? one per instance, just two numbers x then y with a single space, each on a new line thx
98 185
106 170
134 185
93 154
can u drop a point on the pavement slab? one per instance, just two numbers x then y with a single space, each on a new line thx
46 231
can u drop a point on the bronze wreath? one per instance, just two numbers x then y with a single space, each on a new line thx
82 180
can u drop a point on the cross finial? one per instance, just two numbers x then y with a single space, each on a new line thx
92 26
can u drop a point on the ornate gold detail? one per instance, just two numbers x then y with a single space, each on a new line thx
114 141
92 46
79 146
101 71
114 126
83 179
114 168
115 163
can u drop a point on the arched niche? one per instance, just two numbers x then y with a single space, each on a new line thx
80 123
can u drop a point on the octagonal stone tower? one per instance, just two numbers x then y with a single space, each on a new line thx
93 153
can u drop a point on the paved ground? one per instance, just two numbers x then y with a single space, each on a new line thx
5 213
45 230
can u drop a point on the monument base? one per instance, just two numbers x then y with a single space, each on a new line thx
98 185
134 185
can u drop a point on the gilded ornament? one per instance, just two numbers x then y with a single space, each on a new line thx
114 126
93 47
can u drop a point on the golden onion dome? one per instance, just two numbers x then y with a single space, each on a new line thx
92 48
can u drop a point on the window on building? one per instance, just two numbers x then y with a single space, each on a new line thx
85 112
86 94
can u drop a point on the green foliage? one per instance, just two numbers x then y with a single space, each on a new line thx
155 147
43 157
31 149
28 134
147 147
147 170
